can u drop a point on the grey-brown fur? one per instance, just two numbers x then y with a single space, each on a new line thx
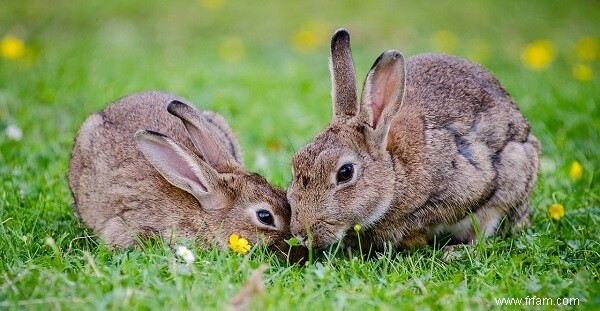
457 145
120 194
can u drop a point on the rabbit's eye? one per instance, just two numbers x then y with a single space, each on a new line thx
265 217
345 173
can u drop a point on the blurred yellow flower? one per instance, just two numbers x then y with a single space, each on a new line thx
556 211
587 49
12 47
305 41
213 4
312 35
444 41
538 55
274 144
231 49
576 171
239 245
582 72
357 228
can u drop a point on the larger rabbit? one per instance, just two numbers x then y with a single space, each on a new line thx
437 147
186 181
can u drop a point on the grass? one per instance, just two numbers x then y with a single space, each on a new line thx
275 93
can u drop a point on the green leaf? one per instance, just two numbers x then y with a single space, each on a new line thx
292 242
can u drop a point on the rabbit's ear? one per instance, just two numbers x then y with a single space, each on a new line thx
179 166
383 92
202 135
343 77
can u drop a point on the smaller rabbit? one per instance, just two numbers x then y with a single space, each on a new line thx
180 177
436 149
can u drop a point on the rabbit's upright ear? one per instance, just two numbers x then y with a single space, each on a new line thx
202 136
179 166
383 93
343 77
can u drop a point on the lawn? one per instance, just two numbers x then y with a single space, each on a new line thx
263 65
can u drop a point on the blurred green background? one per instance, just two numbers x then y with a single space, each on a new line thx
263 65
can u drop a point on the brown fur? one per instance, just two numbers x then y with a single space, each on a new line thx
457 145
120 194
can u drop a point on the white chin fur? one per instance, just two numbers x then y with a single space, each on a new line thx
377 214
340 234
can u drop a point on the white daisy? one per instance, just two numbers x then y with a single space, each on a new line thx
186 254
14 132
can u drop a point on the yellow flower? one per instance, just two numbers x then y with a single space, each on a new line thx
444 41
213 4
12 47
587 48
312 35
357 227
231 49
538 55
582 72
305 41
576 170
556 211
239 245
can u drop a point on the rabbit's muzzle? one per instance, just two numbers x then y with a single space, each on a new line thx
319 234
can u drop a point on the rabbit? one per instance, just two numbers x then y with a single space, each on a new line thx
436 148
151 165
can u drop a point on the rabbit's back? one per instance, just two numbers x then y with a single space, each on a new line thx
459 95
147 110
464 140
113 183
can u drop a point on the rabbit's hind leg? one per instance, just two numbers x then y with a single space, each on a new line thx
516 172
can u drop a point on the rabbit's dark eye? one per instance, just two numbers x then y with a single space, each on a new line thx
345 173
265 217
